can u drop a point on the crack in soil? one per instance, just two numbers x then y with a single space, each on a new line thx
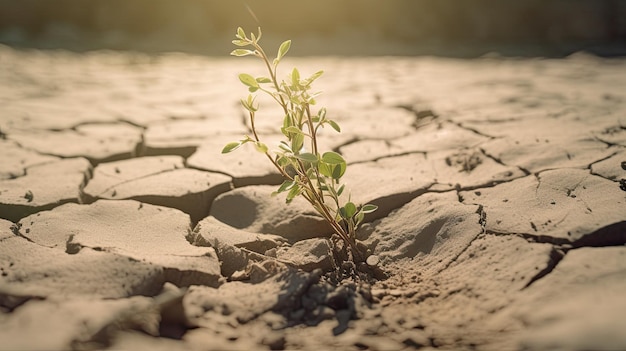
353 140
420 115
500 162
482 220
556 255
376 159
15 228
130 181
611 130
610 235
475 131
453 260
185 151
590 166
488 185
390 203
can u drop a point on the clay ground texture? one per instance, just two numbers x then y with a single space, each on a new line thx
501 223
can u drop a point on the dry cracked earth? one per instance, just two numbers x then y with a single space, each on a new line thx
501 222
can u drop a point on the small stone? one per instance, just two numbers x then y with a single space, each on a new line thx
372 260
28 196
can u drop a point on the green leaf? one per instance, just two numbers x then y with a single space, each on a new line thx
325 169
249 104
285 147
263 80
332 171
295 77
350 209
334 125
314 76
248 80
322 113
347 211
314 95
286 185
294 129
241 52
333 158
369 208
239 42
282 50
296 142
340 190
359 218
231 147
250 101
241 34
338 171
286 124
293 192
307 157
260 147
282 161
310 173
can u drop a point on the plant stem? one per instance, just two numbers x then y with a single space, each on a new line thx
296 108
256 137
313 132
272 75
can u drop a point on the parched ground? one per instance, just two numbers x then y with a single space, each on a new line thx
501 222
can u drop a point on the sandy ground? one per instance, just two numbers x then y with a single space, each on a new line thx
501 223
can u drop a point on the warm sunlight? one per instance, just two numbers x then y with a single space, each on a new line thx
356 27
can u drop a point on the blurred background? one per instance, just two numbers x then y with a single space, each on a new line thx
463 28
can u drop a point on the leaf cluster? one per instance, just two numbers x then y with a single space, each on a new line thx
307 172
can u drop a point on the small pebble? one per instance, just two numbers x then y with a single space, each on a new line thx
372 260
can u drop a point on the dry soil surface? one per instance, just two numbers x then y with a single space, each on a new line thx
501 222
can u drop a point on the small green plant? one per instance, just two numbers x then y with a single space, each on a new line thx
307 171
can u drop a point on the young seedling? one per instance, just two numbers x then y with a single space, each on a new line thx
307 171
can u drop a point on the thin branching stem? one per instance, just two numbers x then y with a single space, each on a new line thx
272 72
256 138
327 169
